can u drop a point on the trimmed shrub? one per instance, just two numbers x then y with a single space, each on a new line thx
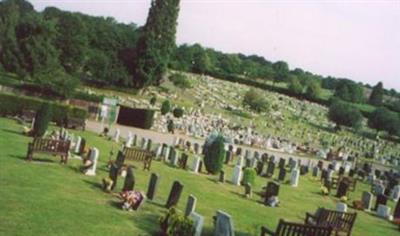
180 81
178 112
165 107
175 223
153 100
249 176
42 119
13 105
214 154
141 118
170 126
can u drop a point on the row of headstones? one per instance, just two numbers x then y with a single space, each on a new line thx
223 220
380 207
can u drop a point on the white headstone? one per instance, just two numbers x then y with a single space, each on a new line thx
396 193
195 164
198 222
294 178
94 156
237 175
116 135
342 207
78 144
383 211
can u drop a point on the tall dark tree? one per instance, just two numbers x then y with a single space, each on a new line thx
344 114
156 43
376 97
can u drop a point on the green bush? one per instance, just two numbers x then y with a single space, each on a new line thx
178 112
214 154
136 117
255 101
12 105
153 100
174 223
249 176
42 119
88 97
165 107
180 81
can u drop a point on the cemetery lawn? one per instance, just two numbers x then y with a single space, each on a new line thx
46 198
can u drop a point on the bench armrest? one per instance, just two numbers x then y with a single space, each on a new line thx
265 231
308 217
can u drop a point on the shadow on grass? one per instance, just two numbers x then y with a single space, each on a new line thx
13 132
148 222
19 157
156 204
93 185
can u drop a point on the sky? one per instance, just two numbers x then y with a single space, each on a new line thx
359 40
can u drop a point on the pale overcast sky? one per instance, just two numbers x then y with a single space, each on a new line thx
359 40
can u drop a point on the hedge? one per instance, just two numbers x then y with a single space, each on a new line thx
141 118
12 105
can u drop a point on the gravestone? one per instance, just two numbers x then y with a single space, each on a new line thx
383 211
342 189
198 222
315 171
396 214
223 225
78 144
240 161
351 173
94 156
190 205
201 166
341 171
195 164
129 183
341 206
113 175
270 169
143 145
379 189
271 190
380 199
228 157
303 170
237 175
116 135
294 178
120 159
320 165
324 175
367 199
173 157
82 146
396 193
149 145
174 194
183 161
153 184
260 167
282 163
282 174
222 176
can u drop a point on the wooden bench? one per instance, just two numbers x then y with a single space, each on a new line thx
339 221
76 123
287 229
49 146
138 155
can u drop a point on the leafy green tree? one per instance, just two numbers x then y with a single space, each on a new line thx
344 114
255 101
42 119
214 154
348 90
313 90
165 107
382 119
249 176
281 69
156 43
376 97
295 86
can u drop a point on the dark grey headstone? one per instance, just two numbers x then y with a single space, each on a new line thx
380 199
114 175
282 174
222 176
270 169
129 182
271 190
174 194
152 188
190 205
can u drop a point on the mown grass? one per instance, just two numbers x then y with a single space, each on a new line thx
46 198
